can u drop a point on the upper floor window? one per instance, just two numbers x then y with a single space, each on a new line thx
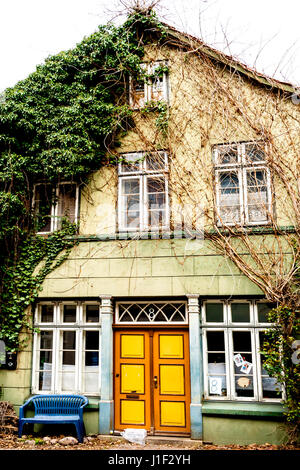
143 192
152 86
243 184
54 202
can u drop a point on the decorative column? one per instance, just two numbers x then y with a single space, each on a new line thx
106 405
196 369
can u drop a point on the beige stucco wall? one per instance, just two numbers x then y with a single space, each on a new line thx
208 105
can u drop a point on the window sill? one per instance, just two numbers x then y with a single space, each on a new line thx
243 409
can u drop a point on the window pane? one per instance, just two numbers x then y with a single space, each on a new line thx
240 312
216 363
69 313
43 204
91 370
47 313
138 91
243 364
156 201
215 341
254 153
214 312
68 378
92 340
92 313
45 360
263 310
227 155
157 84
241 341
130 202
131 186
46 339
69 357
68 361
155 161
229 197
257 196
270 387
69 340
132 163
45 379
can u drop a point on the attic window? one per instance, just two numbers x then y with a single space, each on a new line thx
52 203
152 85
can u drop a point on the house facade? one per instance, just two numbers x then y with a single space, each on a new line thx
146 317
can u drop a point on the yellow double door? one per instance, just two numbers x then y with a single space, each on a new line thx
152 380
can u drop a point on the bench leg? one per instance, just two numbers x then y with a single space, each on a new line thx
79 431
21 424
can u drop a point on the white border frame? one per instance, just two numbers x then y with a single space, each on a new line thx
241 168
118 322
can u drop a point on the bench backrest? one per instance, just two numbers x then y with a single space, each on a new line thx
58 404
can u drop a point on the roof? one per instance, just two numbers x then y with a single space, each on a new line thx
187 40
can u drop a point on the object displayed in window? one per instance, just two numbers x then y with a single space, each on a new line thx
143 192
243 184
233 366
53 203
67 348
152 85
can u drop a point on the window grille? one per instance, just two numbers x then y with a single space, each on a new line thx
151 312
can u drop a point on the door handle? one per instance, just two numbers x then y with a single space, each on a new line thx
155 381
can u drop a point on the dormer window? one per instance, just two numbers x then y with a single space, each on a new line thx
52 203
152 85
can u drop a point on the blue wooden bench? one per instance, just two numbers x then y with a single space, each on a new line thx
54 409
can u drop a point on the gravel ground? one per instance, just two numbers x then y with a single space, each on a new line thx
29 442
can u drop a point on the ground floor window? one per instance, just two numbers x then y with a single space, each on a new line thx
67 348
233 335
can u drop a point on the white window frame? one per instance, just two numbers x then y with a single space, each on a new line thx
149 69
142 174
225 313
57 327
254 371
228 327
241 167
205 365
54 219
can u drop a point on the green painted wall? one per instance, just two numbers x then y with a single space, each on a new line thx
243 430
146 268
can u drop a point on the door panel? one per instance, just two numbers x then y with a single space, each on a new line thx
170 346
132 412
172 414
132 346
152 380
132 379
171 379
171 397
